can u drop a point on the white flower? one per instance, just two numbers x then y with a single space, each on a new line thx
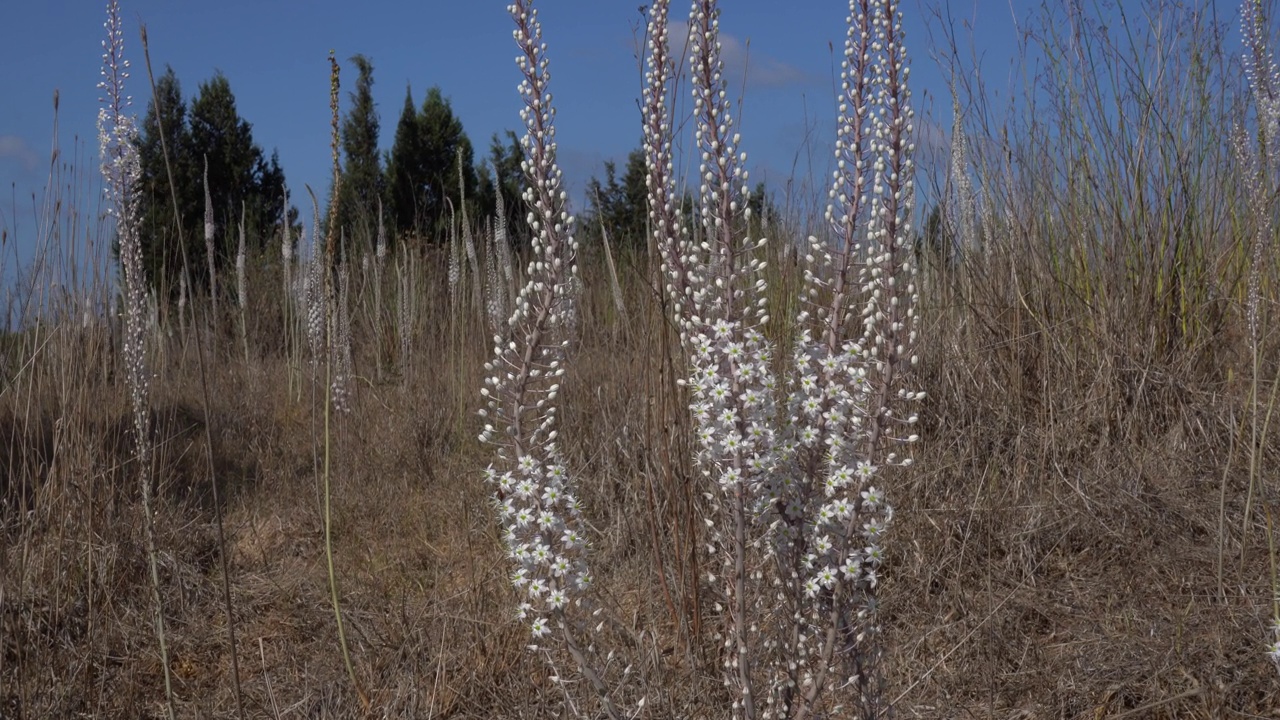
866 469
730 477
540 627
706 436
841 508
827 577
732 443
852 566
560 566
547 520
723 329
537 586
811 587
541 554
822 544
809 383
524 517
871 498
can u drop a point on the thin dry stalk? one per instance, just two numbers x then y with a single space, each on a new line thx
204 396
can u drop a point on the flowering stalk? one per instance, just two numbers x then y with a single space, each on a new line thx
717 292
380 262
846 376
468 237
664 217
1260 164
209 230
731 375
496 289
961 214
404 318
503 245
121 173
541 518
805 482
242 289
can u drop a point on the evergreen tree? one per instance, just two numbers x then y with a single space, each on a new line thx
362 182
241 179
161 258
621 206
402 171
442 138
423 166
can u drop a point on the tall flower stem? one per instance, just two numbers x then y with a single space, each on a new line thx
542 521
330 348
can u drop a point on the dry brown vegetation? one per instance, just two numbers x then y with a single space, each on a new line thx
1072 541
1055 556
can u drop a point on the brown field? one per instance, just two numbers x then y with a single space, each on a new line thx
1084 533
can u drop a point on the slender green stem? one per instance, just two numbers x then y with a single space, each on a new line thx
149 531
328 527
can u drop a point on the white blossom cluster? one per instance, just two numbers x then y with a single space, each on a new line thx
830 516
794 458
541 518
342 382
315 296
1262 72
121 174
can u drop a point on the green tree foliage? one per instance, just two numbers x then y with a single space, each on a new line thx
362 182
423 166
241 179
401 170
621 205
159 228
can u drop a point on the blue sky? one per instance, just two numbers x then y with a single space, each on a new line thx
274 54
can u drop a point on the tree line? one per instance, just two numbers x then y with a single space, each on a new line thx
429 178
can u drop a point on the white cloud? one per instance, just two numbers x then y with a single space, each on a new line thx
760 70
16 149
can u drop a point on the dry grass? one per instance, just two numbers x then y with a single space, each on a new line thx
1055 554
